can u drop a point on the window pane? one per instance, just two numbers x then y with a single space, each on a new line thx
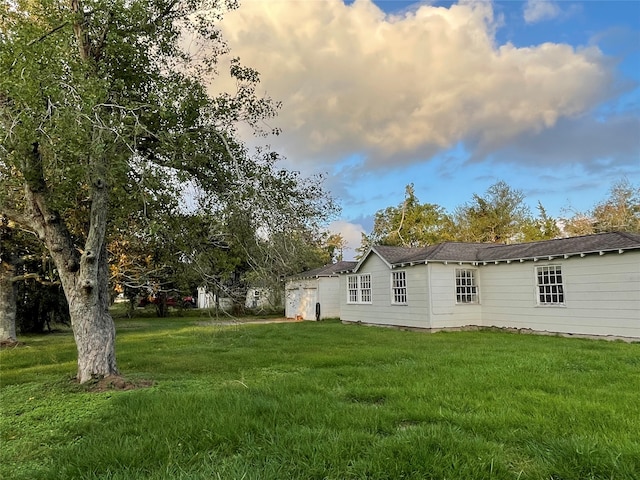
365 288
550 288
466 287
352 287
399 287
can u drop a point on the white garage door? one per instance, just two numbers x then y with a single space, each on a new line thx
301 302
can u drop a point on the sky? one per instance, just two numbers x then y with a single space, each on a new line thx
451 97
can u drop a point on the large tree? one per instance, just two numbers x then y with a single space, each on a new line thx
410 224
543 227
498 216
101 101
620 211
282 230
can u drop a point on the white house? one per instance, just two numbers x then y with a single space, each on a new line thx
315 294
257 298
263 298
587 285
207 299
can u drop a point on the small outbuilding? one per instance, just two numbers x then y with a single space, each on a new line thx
315 294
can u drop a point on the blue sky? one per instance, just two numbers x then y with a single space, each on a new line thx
449 96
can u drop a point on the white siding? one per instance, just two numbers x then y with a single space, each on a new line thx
300 299
445 313
302 296
329 297
207 299
602 296
261 298
381 311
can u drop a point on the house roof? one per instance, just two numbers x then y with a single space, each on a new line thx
491 252
327 270
600 243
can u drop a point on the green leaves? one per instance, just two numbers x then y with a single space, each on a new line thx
410 224
496 217
500 215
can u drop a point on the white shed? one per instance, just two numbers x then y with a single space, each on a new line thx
587 285
263 298
207 299
314 294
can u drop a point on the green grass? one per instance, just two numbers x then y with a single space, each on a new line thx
323 400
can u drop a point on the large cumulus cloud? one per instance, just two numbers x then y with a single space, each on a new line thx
403 87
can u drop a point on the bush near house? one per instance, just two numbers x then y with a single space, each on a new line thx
317 400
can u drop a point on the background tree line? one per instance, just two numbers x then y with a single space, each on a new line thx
500 215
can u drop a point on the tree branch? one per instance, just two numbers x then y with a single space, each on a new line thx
51 32
84 43
16 217
33 276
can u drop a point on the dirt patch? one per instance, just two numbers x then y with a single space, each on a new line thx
10 344
117 383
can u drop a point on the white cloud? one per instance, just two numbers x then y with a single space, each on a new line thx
402 87
351 233
540 10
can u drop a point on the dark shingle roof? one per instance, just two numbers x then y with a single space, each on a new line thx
395 255
327 270
603 242
482 252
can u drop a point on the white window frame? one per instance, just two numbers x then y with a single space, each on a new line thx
359 288
352 289
467 291
549 285
364 281
399 288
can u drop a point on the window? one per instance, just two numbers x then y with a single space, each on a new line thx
550 287
466 286
359 288
256 298
352 281
398 287
365 288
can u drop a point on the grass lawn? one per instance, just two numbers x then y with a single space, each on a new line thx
323 400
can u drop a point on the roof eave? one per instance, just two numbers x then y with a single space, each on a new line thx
604 251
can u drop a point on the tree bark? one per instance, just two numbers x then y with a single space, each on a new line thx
93 327
84 277
7 304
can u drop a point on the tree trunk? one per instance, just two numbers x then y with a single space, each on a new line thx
84 276
7 304
86 287
93 327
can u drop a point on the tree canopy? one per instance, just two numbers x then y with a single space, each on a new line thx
497 216
410 224
620 211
